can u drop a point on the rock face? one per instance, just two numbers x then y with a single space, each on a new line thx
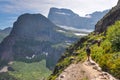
66 17
31 39
109 19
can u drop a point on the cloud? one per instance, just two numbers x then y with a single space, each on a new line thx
81 7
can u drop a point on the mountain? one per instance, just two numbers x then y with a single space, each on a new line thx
110 18
34 37
73 64
66 17
5 32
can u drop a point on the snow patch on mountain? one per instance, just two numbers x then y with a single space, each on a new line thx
80 34
75 29
62 13
61 31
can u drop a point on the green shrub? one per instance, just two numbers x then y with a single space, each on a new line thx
113 35
29 71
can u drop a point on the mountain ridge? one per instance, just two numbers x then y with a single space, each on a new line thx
66 17
109 19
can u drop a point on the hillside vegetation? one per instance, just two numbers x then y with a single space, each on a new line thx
30 71
107 55
6 76
27 71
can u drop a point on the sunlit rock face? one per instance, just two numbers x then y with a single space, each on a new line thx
109 19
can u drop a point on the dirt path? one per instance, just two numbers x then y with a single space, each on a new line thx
84 71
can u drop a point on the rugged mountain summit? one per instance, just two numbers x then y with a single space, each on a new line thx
66 17
109 19
63 17
33 38
31 26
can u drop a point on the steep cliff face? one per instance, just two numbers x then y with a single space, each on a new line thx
109 19
66 17
33 37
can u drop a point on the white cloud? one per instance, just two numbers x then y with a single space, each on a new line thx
81 7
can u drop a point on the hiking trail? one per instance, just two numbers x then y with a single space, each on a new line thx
88 70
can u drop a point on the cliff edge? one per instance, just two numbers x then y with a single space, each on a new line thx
110 18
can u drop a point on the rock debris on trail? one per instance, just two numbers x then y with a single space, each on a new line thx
84 71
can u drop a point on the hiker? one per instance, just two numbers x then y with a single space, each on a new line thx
88 51
98 42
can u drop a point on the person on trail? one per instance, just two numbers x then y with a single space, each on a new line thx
88 51
98 42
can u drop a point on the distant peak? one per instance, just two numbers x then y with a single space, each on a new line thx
31 24
53 9
28 15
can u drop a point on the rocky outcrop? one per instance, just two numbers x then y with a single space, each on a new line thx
31 39
66 17
109 19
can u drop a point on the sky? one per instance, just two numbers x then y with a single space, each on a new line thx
11 9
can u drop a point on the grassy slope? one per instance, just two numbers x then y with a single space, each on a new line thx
105 56
6 76
30 71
